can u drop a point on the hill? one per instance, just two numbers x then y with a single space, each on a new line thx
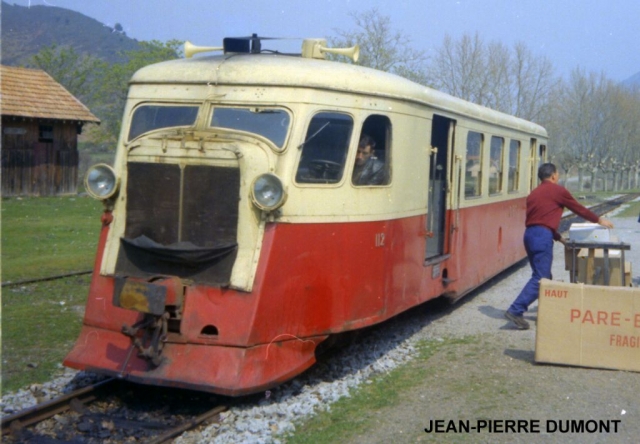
633 81
26 30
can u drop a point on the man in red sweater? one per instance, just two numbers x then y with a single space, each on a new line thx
545 206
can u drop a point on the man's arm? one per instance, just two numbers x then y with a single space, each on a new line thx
582 211
605 222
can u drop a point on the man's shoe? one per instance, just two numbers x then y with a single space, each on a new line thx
521 324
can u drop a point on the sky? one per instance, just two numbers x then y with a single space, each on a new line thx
601 36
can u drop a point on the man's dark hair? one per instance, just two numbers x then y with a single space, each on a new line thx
367 140
546 170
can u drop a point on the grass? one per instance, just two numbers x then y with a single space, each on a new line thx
632 210
47 236
43 237
40 323
351 416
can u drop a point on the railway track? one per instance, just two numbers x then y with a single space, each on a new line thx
600 209
72 418
44 279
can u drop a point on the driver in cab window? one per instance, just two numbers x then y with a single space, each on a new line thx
368 170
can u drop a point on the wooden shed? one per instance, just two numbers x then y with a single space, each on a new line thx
41 121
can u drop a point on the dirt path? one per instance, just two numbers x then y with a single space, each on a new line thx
494 377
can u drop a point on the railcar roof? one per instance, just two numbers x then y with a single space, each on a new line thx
291 71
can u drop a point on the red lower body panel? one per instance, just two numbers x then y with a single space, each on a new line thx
228 371
312 280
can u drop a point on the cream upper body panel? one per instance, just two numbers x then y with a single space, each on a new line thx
281 70
305 87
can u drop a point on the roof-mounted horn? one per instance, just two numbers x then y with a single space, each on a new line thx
190 49
316 49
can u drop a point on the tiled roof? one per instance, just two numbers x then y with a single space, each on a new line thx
33 93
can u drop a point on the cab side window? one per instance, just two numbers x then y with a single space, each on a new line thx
372 165
324 150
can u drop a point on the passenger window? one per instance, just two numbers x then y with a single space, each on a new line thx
324 150
373 158
473 169
496 165
514 166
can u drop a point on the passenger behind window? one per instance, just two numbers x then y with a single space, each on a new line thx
368 170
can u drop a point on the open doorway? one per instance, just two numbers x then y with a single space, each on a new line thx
442 131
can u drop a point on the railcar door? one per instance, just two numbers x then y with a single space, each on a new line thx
538 157
442 130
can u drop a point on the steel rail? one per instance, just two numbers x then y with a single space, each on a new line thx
40 412
43 279
600 209
13 424
187 425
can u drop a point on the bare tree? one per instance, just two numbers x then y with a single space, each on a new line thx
513 81
533 79
625 123
381 47
596 122
575 122
459 68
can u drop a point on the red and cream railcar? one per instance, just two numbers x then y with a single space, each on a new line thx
234 240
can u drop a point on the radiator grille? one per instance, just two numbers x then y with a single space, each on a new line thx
193 209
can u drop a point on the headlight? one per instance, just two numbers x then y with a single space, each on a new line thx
267 192
101 181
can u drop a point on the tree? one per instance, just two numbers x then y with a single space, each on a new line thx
112 85
459 68
381 47
74 71
533 80
102 87
596 123
576 122
512 81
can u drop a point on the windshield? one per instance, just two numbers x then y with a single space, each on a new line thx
152 117
270 123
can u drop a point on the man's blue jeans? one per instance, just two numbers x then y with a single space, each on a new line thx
538 241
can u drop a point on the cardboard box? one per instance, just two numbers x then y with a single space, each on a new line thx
597 276
588 325
588 232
